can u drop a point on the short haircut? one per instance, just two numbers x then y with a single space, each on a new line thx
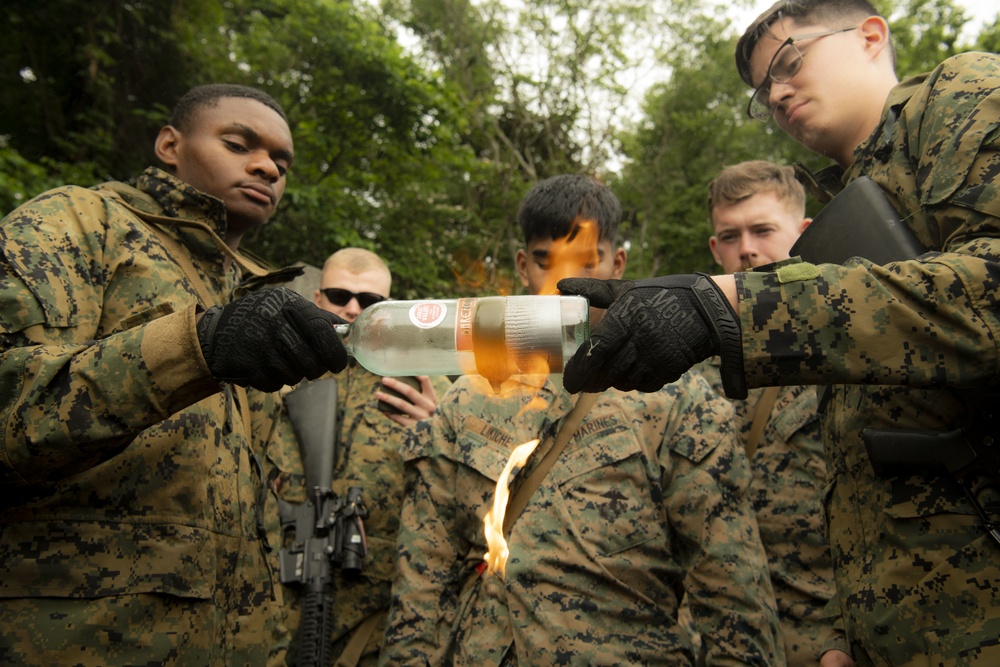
210 94
746 179
356 260
831 12
551 208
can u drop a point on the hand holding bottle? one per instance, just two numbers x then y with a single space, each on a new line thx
653 332
270 338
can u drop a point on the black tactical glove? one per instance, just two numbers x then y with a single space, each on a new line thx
653 332
269 338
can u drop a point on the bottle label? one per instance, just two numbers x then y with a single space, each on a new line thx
427 314
463 324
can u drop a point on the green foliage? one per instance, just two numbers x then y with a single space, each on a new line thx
73 72
989 38
419 153
376 140
693 125
924 32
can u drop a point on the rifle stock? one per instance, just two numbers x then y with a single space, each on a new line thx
312 409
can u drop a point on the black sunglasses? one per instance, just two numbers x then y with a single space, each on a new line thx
342 297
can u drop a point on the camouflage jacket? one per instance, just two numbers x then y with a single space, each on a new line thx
124 468
911 345
786 493
647 502
368 444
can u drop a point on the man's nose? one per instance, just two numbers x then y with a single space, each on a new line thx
777 94
261 163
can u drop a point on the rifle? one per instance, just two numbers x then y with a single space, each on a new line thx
323 532
858 222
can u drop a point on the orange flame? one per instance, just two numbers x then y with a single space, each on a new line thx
497 551
567 258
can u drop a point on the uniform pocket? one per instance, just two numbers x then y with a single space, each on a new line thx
606 486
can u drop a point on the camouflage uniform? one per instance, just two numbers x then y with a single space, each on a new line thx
128 510
368 456
647 501
786 494
914 567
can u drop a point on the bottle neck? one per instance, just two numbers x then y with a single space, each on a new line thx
344 331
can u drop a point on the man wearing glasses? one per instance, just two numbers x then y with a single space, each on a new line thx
374 415
909 347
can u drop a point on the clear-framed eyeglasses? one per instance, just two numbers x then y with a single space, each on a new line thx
785 64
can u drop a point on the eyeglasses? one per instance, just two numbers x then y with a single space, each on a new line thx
784 65
342 297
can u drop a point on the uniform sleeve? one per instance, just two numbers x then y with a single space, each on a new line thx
73 395
428 563
727 584
924 323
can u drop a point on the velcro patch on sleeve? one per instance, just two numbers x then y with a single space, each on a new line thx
797 272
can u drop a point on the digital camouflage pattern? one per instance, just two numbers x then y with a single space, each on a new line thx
368 456
129 501
916 571
786 494
647 502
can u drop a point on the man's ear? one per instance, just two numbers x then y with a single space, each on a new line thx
712 241
875 31
521 262
166 146
620 260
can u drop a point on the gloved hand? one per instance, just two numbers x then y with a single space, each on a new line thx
653 332
269 338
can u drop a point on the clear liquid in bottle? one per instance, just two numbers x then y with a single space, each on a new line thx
495 337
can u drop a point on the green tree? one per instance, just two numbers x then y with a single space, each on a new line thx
989 39
924 32
692 125
376 146
543 81
81 84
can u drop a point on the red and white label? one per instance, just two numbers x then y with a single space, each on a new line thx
463 324
427 314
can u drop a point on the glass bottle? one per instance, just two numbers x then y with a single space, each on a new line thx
495 336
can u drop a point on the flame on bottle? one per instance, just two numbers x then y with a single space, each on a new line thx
497 551
568 257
